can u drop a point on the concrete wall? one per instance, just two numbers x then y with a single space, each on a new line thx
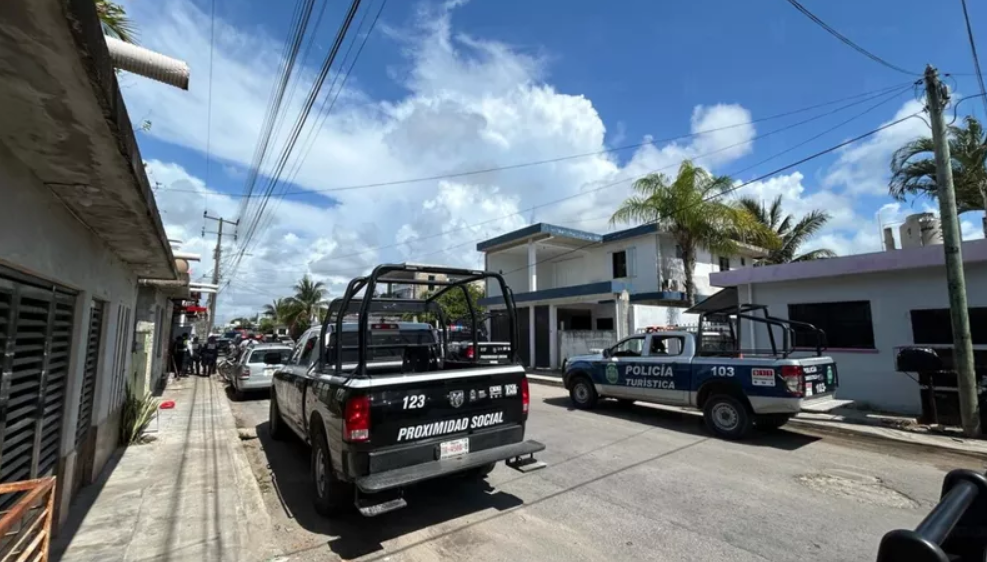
40 237
868 375
582 342
512 267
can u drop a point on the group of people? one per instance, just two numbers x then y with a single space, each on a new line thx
190 356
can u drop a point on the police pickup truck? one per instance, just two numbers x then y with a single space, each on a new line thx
736 390
381 409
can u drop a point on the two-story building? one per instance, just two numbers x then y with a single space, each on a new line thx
569 284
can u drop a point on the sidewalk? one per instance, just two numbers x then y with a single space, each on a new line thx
189 495
847 421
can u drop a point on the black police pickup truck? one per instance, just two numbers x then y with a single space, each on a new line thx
372 395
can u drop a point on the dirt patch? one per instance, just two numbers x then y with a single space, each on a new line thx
857 487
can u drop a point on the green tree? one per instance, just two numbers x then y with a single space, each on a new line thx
282 312
266 325
309 298
115 21
691 210
792 233
913 167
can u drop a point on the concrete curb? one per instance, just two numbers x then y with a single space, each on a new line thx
257 531
824 428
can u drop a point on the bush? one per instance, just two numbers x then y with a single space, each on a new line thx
138 411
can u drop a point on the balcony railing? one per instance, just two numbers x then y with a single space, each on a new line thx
25 525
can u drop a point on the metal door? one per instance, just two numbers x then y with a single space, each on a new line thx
524 340
36 336
85 444
542 343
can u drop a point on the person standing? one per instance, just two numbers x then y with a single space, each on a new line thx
195 359
178 356
210 352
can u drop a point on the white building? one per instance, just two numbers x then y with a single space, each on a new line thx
868 305
568 281
78 231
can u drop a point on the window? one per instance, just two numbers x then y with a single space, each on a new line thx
604 323
666 345
431 287
303 355
934 327
743 262
724 263
631 347
679 253
847 325
619 265
259 356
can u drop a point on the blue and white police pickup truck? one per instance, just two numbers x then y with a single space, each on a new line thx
736 392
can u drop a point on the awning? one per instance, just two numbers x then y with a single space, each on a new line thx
725 298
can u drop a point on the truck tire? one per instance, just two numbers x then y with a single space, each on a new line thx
727 417
332 496
583 393
275 424
771 422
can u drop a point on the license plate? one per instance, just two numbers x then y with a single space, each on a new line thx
269 372
455 448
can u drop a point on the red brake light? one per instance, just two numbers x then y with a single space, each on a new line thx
245 372
470 352
525 395
356 419
794 379
383 326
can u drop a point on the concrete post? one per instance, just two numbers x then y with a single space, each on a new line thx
532 287
553 336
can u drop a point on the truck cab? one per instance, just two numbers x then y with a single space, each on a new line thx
736 390
381 408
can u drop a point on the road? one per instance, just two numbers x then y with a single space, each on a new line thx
623 483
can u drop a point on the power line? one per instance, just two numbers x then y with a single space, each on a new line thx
976 59
625 180
742 185
212 50
299 125
868 95
847 40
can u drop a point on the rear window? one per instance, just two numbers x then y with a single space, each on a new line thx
258 356
387 345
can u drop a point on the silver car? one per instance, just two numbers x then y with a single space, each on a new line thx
255 370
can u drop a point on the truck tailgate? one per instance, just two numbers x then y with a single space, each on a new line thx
446 406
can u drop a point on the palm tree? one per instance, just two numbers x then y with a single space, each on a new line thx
115 21
914 176
283 311
792 234
690 210
309 298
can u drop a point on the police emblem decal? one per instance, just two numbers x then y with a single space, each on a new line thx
612 373
456 398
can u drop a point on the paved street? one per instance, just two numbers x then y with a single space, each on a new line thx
622 484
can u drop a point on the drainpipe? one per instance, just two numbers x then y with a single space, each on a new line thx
147 63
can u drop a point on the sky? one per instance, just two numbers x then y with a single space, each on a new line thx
607 92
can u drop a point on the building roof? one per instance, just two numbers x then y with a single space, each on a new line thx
544 230
974 251
64 118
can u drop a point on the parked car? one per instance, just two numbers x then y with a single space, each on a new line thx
382 410
256 367
735 389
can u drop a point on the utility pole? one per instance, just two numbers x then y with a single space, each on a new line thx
937 97
217 255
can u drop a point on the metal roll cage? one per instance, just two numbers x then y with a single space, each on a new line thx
369 304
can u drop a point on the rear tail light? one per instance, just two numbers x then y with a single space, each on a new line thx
356 419
794 379
525 395
470 352
245 372
383 326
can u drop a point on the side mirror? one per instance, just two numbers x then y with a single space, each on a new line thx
606 353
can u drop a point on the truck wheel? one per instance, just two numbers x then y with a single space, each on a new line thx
332 495
275 424
769 422
582 393
727 417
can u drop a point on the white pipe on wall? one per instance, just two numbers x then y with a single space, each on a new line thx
147 63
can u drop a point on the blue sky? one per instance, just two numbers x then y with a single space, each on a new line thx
469 85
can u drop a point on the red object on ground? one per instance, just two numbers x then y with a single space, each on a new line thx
167 405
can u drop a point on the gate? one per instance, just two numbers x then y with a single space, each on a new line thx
36 336
543 342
